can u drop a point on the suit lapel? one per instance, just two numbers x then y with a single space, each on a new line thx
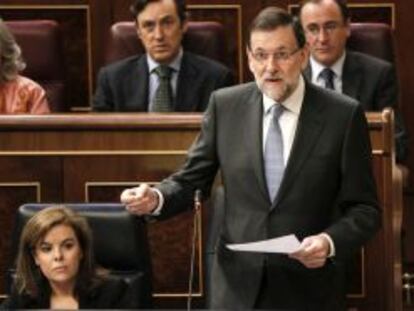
253 118
308 130
351 77
139 84
187 78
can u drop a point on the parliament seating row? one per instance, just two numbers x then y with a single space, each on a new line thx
41 44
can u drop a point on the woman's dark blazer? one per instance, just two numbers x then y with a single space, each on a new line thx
110 294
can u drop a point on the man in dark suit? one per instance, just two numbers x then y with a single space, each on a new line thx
370 80
132 84
316 182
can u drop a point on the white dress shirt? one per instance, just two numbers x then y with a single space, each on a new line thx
337 68
288 121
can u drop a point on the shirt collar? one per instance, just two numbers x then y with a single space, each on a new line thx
337 67
175 64
293 103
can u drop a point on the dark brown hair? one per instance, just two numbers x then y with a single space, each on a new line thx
11 56
139 5
29 279
271 18
342 4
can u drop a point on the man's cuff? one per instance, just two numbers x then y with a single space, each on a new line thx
331 244
157 210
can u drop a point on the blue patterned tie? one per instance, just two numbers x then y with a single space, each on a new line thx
273 154
162 101
327 75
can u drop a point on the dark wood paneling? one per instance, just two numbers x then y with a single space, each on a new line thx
170 241
93 157
15 195
228 16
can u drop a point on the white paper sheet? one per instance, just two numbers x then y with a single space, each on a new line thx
286 244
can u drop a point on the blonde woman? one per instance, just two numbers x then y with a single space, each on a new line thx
18 94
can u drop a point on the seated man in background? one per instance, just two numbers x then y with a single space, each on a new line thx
370 80
18 94
166 78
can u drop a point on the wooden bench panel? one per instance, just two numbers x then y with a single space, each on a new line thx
92 157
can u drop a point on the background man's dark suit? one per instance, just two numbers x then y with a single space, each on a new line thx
123 86
328 187
374 84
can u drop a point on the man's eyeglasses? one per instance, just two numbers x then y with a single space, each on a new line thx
280 56
327 28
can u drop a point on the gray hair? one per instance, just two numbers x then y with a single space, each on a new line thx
11 61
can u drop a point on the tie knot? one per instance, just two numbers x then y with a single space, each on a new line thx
277 111
328 75
163 72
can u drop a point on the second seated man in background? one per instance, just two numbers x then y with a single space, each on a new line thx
370 80
166 78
